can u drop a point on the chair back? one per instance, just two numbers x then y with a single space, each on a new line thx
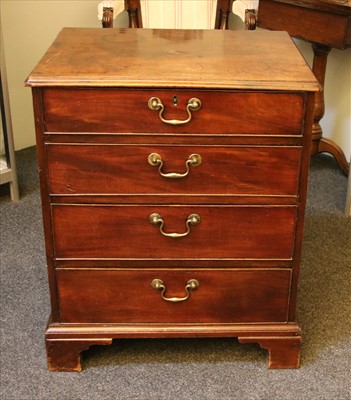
178 14
168 14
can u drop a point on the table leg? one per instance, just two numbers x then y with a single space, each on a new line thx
320 144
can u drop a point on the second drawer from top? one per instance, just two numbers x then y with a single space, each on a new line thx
151 169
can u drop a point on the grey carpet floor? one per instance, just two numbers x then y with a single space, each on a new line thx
179 368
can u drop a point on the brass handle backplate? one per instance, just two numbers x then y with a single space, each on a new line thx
158 284
155 104
157 219
155 160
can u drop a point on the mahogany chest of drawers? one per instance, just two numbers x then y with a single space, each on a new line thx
173 168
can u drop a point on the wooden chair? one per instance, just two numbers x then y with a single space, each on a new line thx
215 12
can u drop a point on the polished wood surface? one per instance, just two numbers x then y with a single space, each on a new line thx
68 112
130 298
326 24
176 58
250 170
98 189
281 340
282 350
260 232
64 355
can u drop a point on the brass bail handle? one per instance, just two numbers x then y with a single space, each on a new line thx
157 219
155 104
158 284
194 160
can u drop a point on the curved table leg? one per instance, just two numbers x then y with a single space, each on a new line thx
328 146
319 143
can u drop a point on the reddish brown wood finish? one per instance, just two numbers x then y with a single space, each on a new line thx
64 355
326 24
284 352
125 232
126 111
281 340
113 169
98 190
177 59
126 296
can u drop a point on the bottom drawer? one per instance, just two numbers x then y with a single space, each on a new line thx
127 296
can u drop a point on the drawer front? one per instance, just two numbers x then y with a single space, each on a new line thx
127 111
124 169
226 296
119 232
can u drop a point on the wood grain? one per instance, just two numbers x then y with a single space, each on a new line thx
102 231
126 111
127 296
94 134
113 169
173 58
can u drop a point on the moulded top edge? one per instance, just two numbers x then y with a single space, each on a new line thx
173 58
235 85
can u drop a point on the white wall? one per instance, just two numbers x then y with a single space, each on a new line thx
29 27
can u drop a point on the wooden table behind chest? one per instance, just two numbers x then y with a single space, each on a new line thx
326 24
173 169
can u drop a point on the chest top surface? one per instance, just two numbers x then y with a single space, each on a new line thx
173 58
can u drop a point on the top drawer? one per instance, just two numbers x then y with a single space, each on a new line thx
127 111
